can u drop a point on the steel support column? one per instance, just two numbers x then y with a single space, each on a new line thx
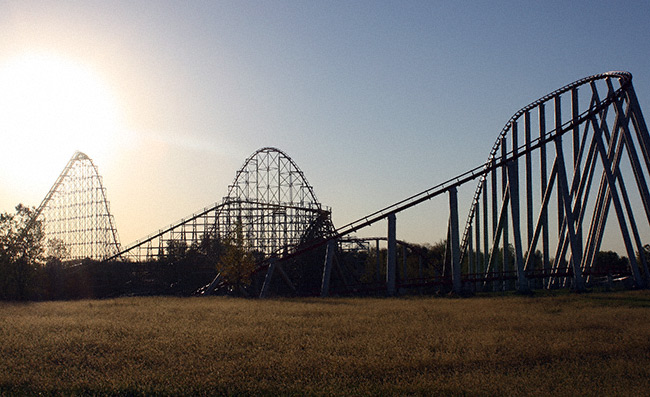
327 268
404 274
543 219
267 280
522 282
455 248
391 258
529 180
565 202
378 263
619 213
504 183
485 227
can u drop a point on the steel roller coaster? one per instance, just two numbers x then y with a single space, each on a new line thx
561 169
270 200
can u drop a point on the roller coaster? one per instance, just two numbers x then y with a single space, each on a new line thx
579 155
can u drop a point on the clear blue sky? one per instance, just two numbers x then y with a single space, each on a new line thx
374 100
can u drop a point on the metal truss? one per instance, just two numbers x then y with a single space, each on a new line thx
573 158
76 215
564 171
582 160
270 201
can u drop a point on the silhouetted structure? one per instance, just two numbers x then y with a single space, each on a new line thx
76 216
560 169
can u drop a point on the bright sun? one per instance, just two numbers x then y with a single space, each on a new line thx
51 106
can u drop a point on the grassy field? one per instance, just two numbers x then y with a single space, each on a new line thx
587 344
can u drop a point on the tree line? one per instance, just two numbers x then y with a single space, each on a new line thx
33 268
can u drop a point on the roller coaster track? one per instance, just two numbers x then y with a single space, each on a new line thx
216 208
625 78
490 165
76 215
270 199
507 240
595 136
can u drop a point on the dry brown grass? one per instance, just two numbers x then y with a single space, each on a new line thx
564 345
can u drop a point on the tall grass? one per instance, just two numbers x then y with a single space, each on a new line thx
565 345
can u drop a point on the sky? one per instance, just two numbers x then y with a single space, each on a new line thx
374 100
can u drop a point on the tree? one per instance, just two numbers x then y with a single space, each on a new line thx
56 249
176 250
21 252
646 255
237 263
608 262
211 247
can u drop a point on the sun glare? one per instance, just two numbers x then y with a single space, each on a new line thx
51 106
